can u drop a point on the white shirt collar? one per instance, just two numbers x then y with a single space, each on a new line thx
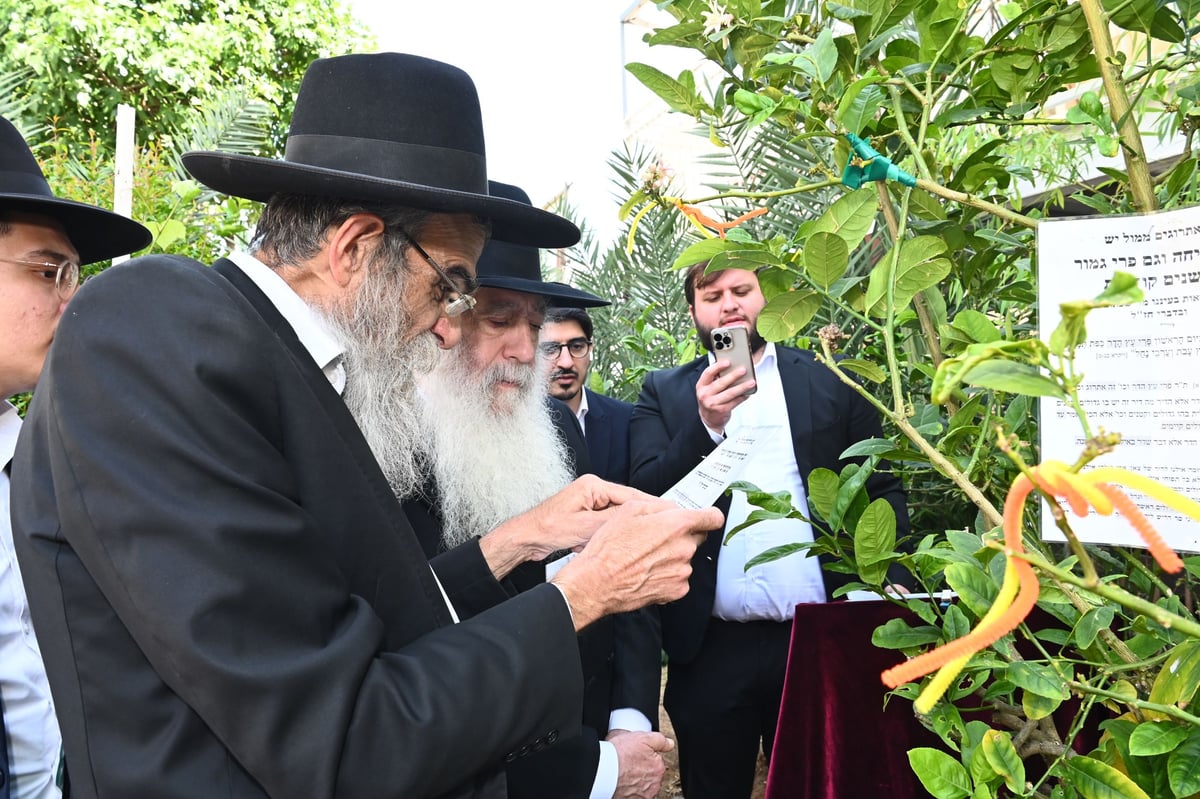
310 328
10 426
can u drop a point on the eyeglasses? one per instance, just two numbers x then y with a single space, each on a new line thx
462 300
578 347
65 274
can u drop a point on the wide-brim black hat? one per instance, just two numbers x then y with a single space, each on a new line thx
389 128
96 233
518 268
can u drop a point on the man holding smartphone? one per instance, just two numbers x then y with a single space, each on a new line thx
727 640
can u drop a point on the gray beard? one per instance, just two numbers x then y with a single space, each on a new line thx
381 375
492 459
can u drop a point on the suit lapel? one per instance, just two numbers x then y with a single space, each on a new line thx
596 432
797 393
345 427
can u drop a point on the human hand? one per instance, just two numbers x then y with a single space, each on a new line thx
640 766
641 556
717 396
564 521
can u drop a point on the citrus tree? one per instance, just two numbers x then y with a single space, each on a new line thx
903 241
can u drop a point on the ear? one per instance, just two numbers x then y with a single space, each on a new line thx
351 244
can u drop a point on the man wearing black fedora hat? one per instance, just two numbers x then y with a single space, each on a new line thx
229 596
497 446
43 241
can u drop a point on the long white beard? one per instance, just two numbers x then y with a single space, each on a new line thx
382 376
491 458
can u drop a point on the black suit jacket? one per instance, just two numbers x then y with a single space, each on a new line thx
667 440
229 599
619 654
606 426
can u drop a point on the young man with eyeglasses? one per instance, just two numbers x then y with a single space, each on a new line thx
566 341
228 590
43 240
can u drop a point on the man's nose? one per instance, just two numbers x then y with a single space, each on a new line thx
564 359
446 331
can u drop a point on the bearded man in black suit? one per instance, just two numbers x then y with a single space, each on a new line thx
496 446
727 640
229 597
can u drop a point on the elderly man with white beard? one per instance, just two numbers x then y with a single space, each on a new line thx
228 595
496 445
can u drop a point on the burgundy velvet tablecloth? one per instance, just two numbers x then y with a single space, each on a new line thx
835 739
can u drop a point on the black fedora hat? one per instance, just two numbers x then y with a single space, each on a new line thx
518 268
390 128
95 232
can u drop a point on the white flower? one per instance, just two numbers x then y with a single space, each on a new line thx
716 19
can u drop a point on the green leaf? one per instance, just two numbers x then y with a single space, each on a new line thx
943 776
1071 331
1156 738
974 587
786 315
874 540
1037 678
1091 623
851 216
853 478
1183 765
864 369
1013 377
860 103
819 59
775 553
822 491
917 268
1038 707
1002 756
826 257
896 634
678 94
976 326
704 250
1096 780
868 446
1180 675
1125 689
955 624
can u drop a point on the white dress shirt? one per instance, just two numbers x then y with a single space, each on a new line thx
33 738
769 591
583 409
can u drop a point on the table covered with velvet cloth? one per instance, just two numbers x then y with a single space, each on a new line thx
835 739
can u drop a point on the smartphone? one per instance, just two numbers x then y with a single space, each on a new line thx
733 344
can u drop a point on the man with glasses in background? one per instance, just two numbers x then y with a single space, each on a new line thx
43 241
566 341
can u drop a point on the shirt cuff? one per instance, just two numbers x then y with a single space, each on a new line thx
570 612
605 784
713 434
628 718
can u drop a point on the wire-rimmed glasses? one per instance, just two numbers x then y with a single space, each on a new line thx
577 347
463 300
65 273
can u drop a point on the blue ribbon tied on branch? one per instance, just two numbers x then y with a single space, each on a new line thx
868 165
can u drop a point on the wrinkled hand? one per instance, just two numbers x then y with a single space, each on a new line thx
640 766
717 396
641 556
566 520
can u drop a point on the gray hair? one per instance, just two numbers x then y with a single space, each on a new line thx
293 227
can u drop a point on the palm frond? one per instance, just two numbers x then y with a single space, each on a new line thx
231 121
